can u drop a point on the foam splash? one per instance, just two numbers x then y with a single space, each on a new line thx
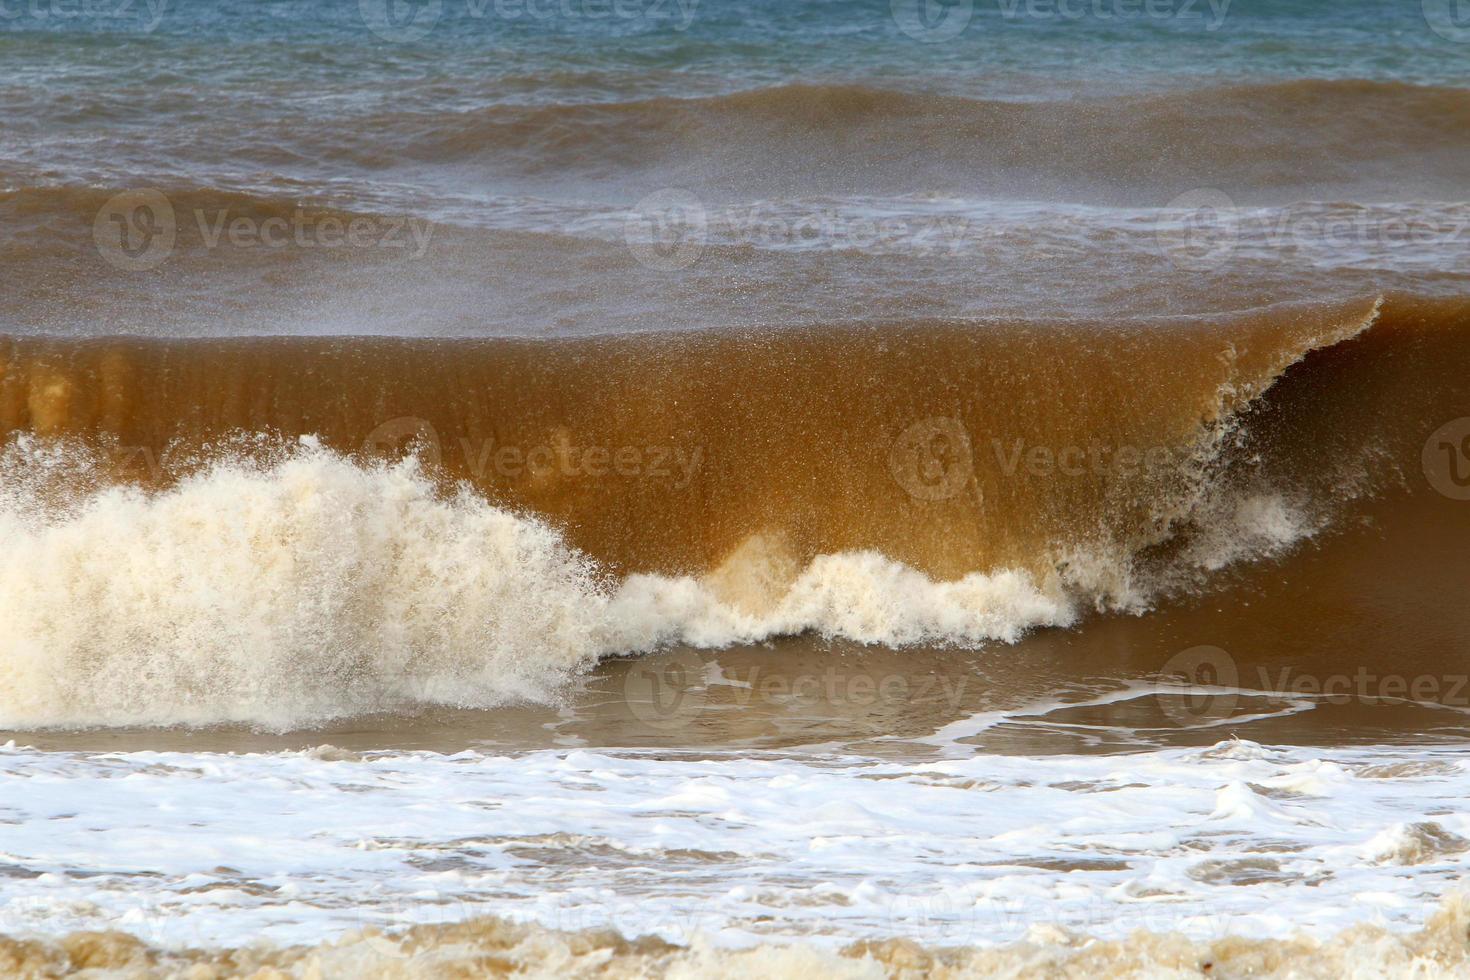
1438 950
311 588
1238 842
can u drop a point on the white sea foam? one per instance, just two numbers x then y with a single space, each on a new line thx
314 587
204 849
287 593
308 590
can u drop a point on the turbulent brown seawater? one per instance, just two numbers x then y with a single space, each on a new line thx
1017 441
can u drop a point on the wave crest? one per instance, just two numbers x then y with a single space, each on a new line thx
274 571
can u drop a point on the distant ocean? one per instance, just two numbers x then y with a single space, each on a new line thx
667 487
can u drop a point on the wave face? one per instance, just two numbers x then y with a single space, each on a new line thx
208 531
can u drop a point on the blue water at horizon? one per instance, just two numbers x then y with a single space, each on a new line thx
595 50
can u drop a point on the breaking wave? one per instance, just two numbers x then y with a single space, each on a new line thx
204 532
